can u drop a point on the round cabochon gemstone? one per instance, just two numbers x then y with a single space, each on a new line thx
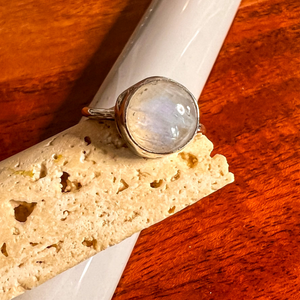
162 116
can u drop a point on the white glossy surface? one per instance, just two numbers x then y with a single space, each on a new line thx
179 39
93 279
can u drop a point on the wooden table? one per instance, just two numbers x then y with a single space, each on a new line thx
242 242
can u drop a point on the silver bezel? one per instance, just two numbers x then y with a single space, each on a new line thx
121 110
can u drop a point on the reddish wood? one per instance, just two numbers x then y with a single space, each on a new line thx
54 56
243 242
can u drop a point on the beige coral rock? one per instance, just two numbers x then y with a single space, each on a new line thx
82 191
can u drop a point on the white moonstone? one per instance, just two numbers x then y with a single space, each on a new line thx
161 117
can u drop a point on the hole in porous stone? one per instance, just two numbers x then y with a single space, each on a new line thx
23 210
171 210
131 217
176 176
3 250
156 183
142 174
64 182
190 159
91 243
39 261
65 213
16 231
97 174
56 246
43 171
75 184
123 186
33 244
88 140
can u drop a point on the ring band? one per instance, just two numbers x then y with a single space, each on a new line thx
101 113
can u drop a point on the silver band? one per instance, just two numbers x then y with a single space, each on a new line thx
99 113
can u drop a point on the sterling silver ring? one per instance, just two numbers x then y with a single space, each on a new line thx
156 117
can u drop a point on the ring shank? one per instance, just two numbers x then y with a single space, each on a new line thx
100 113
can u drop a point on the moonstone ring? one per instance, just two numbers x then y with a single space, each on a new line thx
156 117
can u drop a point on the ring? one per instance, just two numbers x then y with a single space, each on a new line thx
156 117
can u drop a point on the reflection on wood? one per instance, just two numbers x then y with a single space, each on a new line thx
53 59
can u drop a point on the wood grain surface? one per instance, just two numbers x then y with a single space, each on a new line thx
54 56
243 242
